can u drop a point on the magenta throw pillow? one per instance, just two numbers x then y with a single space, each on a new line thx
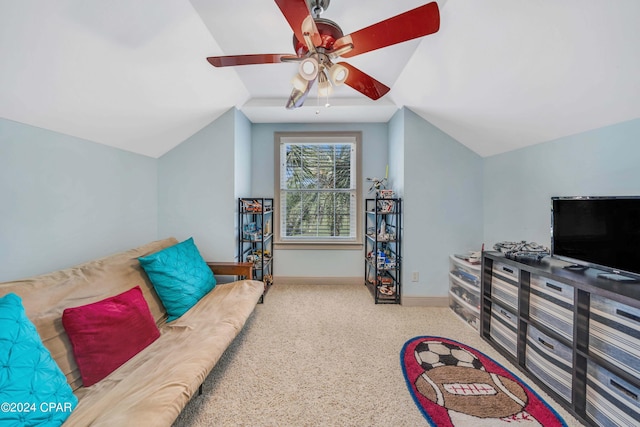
107 333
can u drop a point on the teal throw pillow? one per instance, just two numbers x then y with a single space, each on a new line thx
180 276
33 389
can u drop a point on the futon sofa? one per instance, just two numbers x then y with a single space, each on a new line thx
154 385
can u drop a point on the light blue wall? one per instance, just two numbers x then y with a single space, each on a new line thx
197 196
242 155
315 263
518 185
442 205
396 153
242 166
64 200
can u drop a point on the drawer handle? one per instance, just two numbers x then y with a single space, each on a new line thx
554 287
624 390
546 344
628 315
507 269
505 314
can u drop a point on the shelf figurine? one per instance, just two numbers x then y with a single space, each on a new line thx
378 184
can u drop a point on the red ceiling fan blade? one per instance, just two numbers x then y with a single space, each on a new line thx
297 14
418 22
228 61
364 83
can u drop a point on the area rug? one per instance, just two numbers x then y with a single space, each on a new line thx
455 385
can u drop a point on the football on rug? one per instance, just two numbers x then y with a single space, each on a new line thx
455 385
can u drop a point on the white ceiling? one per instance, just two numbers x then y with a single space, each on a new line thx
499 75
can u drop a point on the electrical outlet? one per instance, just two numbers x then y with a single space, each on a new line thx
414 276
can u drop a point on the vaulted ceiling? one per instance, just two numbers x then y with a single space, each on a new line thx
499 75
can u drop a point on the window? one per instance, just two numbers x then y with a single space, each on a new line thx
317 193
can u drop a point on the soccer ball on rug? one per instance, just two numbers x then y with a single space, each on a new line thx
432 354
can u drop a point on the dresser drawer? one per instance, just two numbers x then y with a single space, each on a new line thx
611 401
505 284
551 304
506 271
503 329
549 360
614 333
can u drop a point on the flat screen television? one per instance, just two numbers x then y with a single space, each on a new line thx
598 232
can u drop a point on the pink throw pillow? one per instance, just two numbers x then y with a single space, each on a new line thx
107 333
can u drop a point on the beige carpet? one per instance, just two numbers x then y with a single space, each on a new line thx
324 355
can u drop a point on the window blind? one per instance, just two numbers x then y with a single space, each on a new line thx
318 199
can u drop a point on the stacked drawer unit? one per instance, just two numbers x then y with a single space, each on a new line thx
549 360
611 401
551 304
577 335
504 329
505 284
464 290
614 335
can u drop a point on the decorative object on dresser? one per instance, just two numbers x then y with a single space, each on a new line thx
574 333
255 237
522 250
456 385
383 249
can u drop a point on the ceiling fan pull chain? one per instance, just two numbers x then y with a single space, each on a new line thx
318 102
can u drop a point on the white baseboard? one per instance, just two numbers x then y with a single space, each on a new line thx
409 301
300 280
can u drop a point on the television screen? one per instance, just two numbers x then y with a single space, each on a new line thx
600 232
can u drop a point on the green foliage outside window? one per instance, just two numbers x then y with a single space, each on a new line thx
318 190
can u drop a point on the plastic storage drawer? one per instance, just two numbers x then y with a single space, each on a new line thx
503 329
611 401
551 304
465 272
504 284
614 333
464 311
550 360
465 291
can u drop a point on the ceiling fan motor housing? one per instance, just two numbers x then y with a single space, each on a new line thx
329 33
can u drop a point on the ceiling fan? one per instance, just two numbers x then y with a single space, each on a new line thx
319 42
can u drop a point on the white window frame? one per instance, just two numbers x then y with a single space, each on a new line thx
281 242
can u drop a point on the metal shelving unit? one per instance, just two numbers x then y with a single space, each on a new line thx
383 249
255 237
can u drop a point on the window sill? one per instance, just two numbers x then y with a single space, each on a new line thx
318 246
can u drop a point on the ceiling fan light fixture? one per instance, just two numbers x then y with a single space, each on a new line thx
308 68
338 74
341 51
325 91
324 86
299 82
